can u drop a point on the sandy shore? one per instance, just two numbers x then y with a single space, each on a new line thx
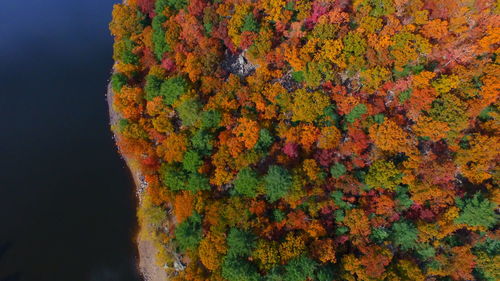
147 264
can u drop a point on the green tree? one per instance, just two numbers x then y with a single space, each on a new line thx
404 235
381 7
189 112
402 198
425 251
172 89
354 48
177 4
325 273
239 269
300 269
337 199
123 52
246 182
298 76
265 140
275 274
356 113
240 243
235 266
160 45
118 80
404 95
173 176
155 215
477 211
337 170
201 141
277 182
160 6
188 233
152 87
250 24
278 215
379 234
197 182
490 246
312 75
210 119
192 161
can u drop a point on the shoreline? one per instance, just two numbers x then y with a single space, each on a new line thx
145 249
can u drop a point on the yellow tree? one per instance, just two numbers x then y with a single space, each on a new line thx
388 136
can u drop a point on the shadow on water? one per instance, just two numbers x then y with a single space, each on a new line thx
12 277
16 276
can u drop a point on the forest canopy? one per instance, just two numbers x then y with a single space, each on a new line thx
313 140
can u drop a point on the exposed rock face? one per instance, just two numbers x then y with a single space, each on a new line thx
237 64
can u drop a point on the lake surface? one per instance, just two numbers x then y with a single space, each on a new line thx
67 207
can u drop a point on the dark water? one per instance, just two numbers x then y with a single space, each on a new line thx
66 199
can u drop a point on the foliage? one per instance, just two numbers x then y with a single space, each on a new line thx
192 161
337 170
240 243
356 113
152 87
246 182
197 182
189 112
312 140
210 119
172 88
265 140
173 177
383 174
125 21
299 269
307 106
160 45
118 80
188 233
237 269
388 136
478 211
277 182
177 4
404 235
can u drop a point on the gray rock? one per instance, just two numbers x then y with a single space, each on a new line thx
237 64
